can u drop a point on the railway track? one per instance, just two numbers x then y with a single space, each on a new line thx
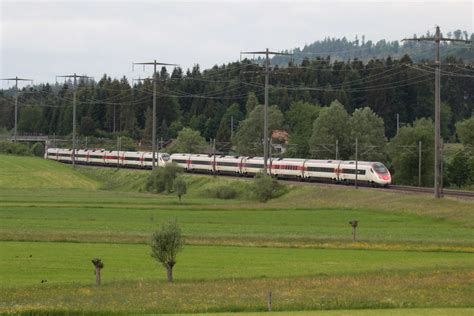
394 188
445 192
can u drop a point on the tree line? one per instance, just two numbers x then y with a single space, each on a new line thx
224 103
208 100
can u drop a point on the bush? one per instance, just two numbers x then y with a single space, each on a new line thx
14 149
161 179
38 149
225 192
265 188
180 187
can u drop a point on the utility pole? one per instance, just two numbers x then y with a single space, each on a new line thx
119 143
441 150
265 111
438 173
398 123
214 156
337 149
16 79
153 137
419 163
357 163
231 127
74 144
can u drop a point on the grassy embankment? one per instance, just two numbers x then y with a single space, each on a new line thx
413 251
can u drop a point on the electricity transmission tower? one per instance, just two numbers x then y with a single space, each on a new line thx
153 137
16 79
74 143
438 172
265 111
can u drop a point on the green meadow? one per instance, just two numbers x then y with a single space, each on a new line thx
413 254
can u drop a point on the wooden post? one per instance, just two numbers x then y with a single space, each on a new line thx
270 301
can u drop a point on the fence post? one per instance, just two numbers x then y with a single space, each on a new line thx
270 301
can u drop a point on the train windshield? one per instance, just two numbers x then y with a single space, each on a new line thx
380 168
165 157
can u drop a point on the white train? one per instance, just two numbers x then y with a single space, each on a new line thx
340 171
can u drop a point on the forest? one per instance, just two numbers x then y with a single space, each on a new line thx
200 99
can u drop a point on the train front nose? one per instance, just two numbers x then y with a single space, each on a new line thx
385 178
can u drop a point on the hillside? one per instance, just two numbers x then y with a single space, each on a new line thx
35 173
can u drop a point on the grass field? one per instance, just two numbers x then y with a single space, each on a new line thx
412 250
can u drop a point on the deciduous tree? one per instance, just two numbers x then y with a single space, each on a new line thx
332 124
166 243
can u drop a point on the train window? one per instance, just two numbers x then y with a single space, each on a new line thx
380 168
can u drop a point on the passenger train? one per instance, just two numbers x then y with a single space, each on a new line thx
339 171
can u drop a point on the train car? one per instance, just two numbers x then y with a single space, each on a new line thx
288 168
201 163
347 171
372 173
229 164
64 155
163 159
182 160
160 159
251 165
113 157
321 170
96 157
133 159
380 174
52 154
82 156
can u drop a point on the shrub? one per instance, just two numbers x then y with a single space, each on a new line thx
161 179
180 187
225 192
38 149
265 188
14 149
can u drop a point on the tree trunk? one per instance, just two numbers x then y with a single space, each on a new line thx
169 273
97 275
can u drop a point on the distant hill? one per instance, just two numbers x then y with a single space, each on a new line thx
362 49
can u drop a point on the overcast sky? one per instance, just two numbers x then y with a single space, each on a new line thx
42 39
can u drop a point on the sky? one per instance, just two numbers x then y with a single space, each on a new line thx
42 39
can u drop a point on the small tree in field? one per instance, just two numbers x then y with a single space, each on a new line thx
99 265
180 187
165 245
